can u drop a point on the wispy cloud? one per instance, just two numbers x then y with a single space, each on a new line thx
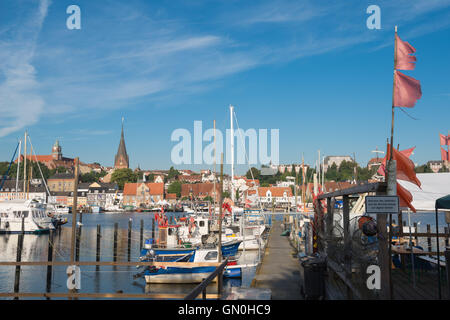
20 101
140 54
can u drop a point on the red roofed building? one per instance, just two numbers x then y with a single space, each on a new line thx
53 160
190 179
374 162
200 190
171 198
141 193
279 195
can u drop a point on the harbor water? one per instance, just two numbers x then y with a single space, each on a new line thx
102 279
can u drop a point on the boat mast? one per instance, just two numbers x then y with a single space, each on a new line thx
31 171
232 152
25 165
214 173
18 169
303 182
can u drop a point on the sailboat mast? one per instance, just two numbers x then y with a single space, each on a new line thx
18 169
303 182
232 152
214 174
25 165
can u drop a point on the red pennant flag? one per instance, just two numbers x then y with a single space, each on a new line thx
406 90
445 140
406 153
404 60
444 155
405 197
405 167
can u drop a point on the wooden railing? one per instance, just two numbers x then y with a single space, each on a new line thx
71 294
201 288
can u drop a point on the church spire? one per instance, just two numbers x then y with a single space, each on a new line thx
121 160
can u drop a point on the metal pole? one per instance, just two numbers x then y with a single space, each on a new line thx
412 249
438 257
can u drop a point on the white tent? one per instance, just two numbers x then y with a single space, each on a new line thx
434 186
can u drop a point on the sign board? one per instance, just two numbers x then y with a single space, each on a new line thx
382 204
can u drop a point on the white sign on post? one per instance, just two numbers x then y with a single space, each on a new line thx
382 204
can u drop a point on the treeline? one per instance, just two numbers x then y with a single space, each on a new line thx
345 172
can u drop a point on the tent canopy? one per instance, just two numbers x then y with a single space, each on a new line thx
443 203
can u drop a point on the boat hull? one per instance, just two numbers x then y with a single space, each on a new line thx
179 275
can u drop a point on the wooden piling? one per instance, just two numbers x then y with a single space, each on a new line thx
116 226
129 238
153 229
97 254
429 237
416 238
141 235
347 243
49 259
77 245
446 238
19 258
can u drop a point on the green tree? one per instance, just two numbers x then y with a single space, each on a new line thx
208 198
256 173
175 187
332 173
226 194
173 173
92 176
121 176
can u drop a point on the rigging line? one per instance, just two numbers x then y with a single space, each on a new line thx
39 166
246 157
408 114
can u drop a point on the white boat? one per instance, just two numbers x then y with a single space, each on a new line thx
61 209
32 213
96 209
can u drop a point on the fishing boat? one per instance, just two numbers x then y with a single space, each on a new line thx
184 273
31 212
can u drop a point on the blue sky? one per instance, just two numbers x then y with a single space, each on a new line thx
311 69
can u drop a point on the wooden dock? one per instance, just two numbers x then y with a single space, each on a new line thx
279 270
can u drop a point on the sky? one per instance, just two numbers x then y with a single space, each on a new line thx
311 69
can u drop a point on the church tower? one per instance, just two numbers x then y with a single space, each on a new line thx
121 160
56 151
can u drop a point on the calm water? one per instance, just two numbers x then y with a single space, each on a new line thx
108 279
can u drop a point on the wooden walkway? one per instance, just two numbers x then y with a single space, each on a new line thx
279 270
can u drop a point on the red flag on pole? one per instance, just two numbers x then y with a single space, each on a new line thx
444 155
445 140
405 197
404 60
406 153
407 90
405 167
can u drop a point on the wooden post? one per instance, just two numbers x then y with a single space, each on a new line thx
74 213
429 237
141 235
19 258
153 229
220 209
447 266
416 238
129 238
97 254
49 259
77 246
329 223
446 238
116 226
347 244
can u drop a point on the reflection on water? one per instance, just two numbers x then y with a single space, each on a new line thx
107 279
